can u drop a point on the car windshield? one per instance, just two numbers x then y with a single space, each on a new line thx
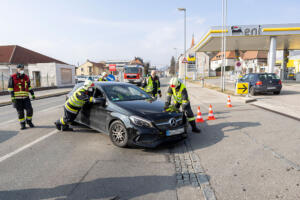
133 70
124 93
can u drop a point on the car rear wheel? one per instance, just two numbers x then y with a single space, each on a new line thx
252 91
118 134
277 92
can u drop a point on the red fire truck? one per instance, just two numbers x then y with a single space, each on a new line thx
134 74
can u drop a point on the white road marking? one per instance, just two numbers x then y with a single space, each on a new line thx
27 146
14 120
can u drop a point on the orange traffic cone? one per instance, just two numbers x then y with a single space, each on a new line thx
229 102
210 114
199 117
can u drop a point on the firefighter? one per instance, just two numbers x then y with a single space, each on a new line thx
103 77
74 103
180 96
151 85
19 88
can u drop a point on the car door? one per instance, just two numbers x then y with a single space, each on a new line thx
98 112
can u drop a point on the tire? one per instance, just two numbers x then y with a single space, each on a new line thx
277 92
118 134
252 91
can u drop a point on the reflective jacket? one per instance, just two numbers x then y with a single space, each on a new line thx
152 85
102 78
180 95
19 86
77 100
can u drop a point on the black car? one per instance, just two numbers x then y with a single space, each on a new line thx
130 116
262 82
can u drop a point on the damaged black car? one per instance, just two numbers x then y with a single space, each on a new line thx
130 116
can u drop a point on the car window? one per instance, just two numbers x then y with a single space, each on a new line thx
262 77
97 93
272 76
124 93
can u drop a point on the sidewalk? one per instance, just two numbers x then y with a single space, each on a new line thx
287 103
6 100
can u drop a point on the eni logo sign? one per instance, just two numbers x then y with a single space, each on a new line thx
247 31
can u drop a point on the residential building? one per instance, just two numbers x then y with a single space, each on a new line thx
254 61
90 68
43 71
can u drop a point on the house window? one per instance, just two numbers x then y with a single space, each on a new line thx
81 69
90 70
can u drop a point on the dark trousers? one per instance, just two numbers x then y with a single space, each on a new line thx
68 118
21 105
187 110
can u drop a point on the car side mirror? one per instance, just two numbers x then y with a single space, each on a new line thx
99 101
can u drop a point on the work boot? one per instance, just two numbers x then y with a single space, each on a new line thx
23 125
195 129
58 125
66 128
29 122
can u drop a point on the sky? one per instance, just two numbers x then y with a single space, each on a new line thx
76 30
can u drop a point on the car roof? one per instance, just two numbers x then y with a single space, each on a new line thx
102 83
259 73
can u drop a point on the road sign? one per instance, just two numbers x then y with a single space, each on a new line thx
242 88
184 60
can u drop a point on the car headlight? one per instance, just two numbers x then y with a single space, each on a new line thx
140 121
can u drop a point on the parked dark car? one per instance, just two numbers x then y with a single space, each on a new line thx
262 83
130 116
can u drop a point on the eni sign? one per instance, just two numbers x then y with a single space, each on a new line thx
245 30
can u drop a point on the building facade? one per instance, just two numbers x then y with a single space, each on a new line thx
90 68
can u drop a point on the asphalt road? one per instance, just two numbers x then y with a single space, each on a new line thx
41 163
247 153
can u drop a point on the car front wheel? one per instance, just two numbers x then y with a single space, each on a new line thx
118 134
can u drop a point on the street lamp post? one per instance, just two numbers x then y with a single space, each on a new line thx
223 68
184 9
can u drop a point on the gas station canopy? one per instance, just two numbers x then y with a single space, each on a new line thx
251 37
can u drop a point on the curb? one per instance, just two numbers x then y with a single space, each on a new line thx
5 103
229 92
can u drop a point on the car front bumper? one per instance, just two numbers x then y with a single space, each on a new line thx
152 137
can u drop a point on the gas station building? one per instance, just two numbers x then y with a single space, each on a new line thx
268 37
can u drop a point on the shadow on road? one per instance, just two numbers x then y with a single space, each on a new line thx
108 188
6 135
215 133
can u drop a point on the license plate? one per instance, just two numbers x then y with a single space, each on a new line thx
271 88
175 132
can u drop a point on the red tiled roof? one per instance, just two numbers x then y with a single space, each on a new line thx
14 54
228 54
249 55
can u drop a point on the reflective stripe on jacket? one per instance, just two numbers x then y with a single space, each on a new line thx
77 100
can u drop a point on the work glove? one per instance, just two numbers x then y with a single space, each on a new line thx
33 97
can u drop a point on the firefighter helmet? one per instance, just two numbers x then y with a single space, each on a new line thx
174 82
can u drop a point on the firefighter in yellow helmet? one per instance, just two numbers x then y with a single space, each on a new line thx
103 77
178 91
151 85
74 104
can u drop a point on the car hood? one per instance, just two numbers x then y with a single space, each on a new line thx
152 110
